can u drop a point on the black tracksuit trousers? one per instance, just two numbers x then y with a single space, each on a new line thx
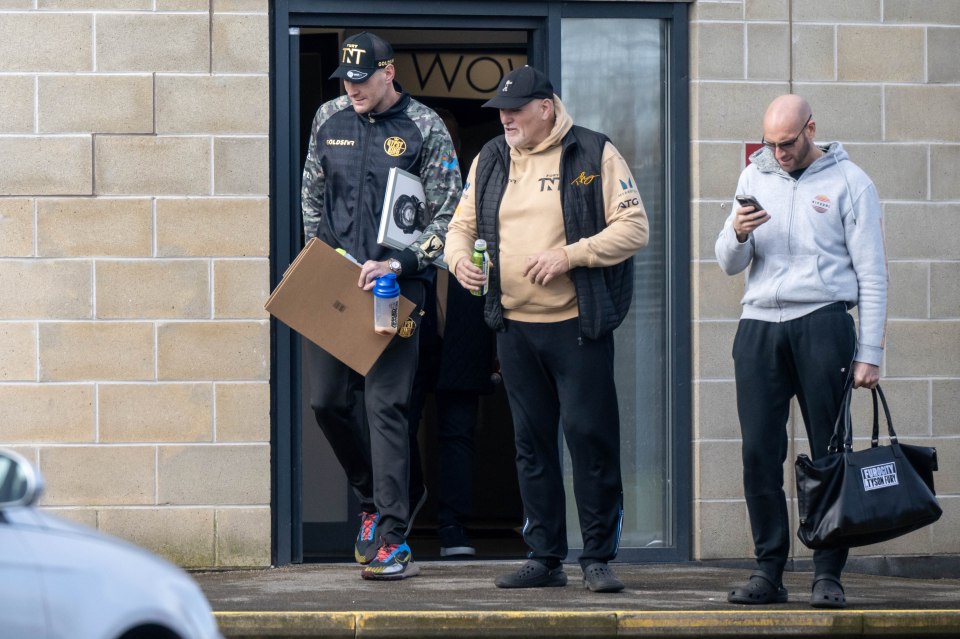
378 467
809 358
552 381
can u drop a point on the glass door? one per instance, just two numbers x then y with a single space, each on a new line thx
616 87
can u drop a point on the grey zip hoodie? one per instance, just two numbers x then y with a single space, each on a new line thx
822 244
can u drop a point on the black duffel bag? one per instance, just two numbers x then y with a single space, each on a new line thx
854 498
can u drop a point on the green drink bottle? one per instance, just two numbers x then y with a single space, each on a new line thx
481 260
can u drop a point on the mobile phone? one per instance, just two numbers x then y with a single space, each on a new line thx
749 200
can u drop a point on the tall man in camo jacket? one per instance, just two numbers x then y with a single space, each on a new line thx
356 139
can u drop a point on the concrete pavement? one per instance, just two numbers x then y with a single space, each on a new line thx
459 600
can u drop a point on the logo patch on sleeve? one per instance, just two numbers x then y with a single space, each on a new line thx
448 161
821 204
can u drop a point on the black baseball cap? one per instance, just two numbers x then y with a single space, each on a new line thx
519 87
361 56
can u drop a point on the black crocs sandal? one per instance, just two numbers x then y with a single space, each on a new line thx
827 593
599 577
758 591
533 574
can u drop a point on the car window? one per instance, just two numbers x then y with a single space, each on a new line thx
13 482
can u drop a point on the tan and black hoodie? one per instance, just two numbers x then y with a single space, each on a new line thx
530 220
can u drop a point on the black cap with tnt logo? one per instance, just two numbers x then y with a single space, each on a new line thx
519 87
362 55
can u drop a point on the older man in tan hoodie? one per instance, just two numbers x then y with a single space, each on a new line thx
561 216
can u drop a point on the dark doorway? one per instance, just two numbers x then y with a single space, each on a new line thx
450 72
621 68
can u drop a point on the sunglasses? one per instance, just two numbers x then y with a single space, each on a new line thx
786 146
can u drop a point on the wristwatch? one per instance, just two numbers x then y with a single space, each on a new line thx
394 265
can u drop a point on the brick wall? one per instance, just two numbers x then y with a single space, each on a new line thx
883 78
134 238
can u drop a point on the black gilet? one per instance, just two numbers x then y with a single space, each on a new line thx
604 293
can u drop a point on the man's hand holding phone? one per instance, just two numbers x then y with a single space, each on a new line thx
749 216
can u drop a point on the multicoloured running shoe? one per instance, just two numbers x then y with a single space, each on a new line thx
393 561
365 549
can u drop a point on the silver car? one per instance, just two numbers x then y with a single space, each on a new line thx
60 580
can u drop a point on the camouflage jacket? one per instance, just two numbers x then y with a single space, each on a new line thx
346 171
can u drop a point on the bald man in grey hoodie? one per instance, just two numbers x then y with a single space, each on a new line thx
815 249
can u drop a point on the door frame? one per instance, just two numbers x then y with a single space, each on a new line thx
543 20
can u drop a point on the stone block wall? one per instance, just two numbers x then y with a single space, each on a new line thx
134 241
882 77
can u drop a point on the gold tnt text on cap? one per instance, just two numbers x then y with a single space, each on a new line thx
352 54
361 55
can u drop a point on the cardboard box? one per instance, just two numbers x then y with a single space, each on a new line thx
319 298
